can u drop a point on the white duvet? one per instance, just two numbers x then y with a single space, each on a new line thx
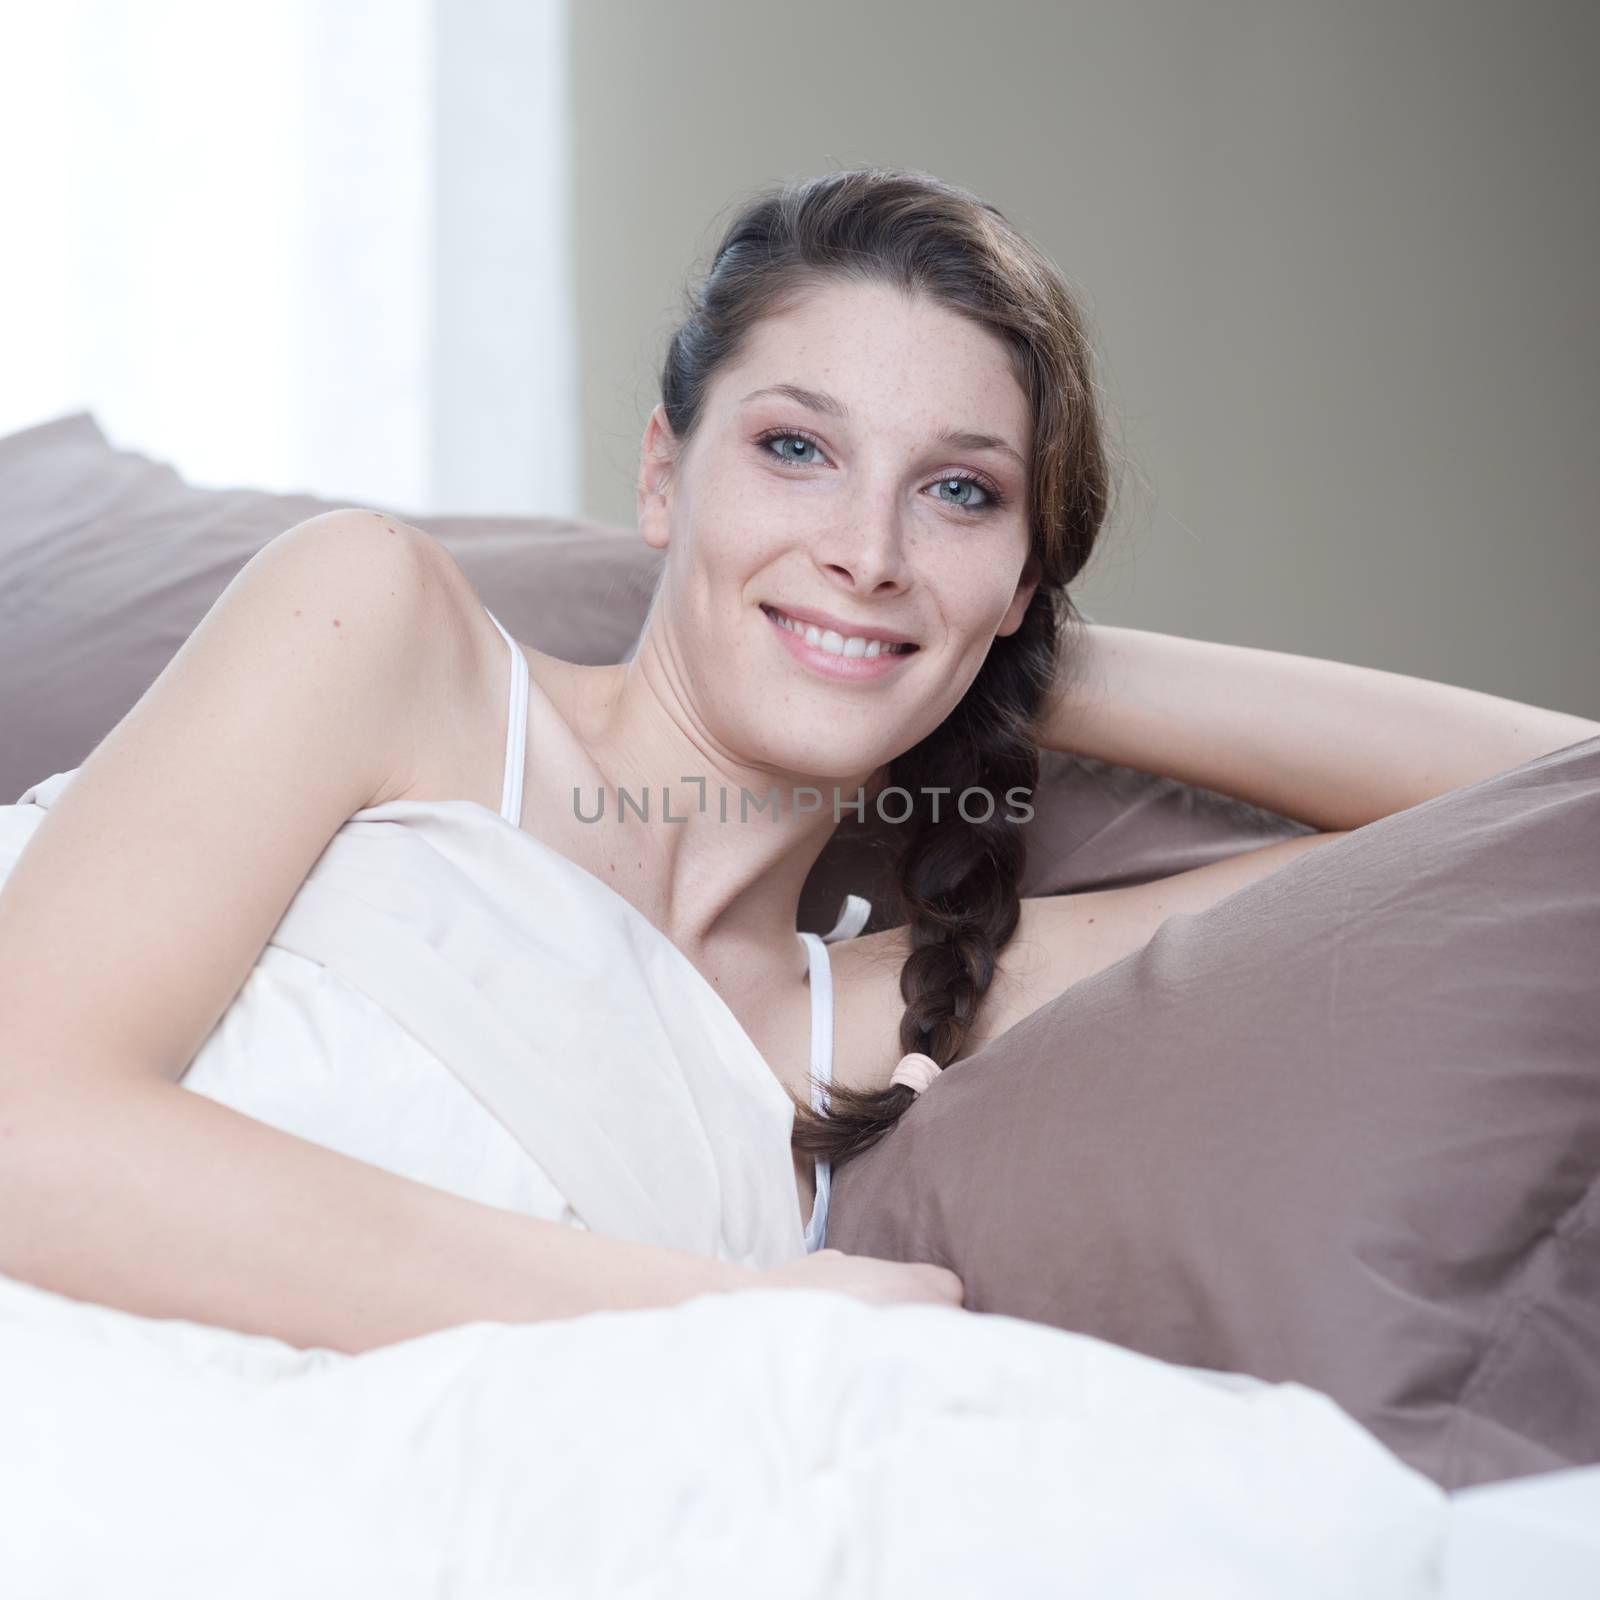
769 1443
428 1004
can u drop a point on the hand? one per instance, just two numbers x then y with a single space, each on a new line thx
866 1278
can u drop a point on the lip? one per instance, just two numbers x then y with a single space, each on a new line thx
845 630
846 669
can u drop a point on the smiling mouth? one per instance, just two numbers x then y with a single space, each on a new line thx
852 648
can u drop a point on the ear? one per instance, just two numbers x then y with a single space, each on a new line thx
1026 585
657 456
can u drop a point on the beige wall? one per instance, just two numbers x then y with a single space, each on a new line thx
1339 258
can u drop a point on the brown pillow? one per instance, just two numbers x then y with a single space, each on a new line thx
1341 1128
108 561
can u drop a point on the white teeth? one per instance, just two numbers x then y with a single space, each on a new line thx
835 644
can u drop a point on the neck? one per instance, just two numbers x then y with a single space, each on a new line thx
727 842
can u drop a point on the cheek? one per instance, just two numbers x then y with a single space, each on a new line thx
975 603
736 535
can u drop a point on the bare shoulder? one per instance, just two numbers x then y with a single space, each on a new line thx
1060 940
396 600
447 602
293 704
458 720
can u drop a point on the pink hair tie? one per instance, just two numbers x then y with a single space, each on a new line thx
916 1071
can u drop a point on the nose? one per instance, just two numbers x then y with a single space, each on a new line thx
866 553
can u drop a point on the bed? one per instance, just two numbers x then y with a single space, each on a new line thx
1292 1285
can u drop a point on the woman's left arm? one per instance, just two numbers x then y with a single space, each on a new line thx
1328 744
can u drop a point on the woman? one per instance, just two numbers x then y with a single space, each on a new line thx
876 466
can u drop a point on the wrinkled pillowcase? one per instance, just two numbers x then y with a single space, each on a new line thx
1341 1127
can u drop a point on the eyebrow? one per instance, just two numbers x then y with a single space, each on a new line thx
828 406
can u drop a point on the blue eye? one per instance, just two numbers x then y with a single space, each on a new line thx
790 438
962 482
957 480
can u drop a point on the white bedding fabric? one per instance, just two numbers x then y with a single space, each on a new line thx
428 1003
769 1443
450 998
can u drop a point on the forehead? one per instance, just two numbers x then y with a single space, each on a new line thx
893 360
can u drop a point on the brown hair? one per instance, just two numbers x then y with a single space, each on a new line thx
956 879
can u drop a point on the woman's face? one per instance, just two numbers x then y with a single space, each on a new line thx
842 502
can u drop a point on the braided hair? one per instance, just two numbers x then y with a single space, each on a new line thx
957 878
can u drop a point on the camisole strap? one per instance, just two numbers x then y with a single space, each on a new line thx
516 730
821 1075
853 916
821 1020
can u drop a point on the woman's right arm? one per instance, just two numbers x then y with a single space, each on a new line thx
155 1200
138 908
145 1196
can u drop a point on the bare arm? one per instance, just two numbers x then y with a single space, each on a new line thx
148 1197
139 907
1333 745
